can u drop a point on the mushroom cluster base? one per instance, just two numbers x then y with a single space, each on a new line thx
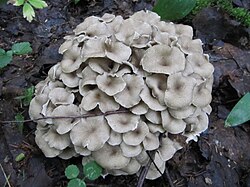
153 73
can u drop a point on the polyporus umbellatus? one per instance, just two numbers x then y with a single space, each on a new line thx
150 69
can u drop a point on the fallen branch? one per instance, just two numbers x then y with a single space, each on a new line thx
66 117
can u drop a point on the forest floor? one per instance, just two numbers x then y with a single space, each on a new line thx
221 157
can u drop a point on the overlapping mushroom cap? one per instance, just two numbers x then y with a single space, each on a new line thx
145 78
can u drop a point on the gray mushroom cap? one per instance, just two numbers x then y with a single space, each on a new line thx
122 123
92 133
110 157
64 125
179 91
59 96
164 58
129 150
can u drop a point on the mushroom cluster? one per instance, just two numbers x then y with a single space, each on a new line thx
151 74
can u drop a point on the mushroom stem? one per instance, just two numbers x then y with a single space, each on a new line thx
66 117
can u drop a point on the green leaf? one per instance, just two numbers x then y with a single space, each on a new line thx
19 117
71 171
5 58
21 48
19 2
28 12
28 95
240 112
38 3
92 170
76 183
76 1
173 9
20 157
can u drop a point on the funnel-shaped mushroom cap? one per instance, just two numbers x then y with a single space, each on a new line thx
109 84
182 113
172 125
200 64
158 84
115 138
142 158
129 150
67 44
155 128
81 28
140 108
70 79
122 123
43 145
129 96
179 91
60 96
184 30
67 153
151 142
153 173
82 151
102 65
131 28
151 101
153 116
201 96
132 167
168 148
110 157
36 104
96 98
146 16
164 58
116 51
189 46
136 136
71 59
64 125
91 132
56 140
54 72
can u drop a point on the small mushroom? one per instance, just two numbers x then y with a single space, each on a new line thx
132 167
64 125
152 102
179 91
70 79
168 148
200 64
135 137
122 123
201 96
110 157
139 109
92 133
153 116
129 150
182 113
151 142
172 125
60 96
96 98
189 46
115 138
67 153
153 172
129 96
82 151
164 58
109 84
102 65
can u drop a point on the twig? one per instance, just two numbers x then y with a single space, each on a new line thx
5 176
144 170
66 117
170 182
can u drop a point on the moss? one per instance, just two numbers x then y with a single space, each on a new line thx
240 14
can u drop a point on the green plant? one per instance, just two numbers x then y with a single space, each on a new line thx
241 14
27 96
76 1
91 171
19 117
240 113
28 7
17 49
173 9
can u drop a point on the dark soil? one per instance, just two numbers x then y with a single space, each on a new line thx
220 158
